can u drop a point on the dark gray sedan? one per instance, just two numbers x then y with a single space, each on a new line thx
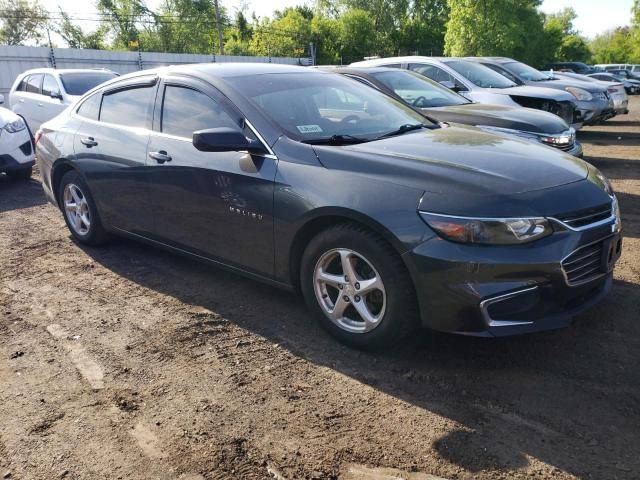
312 181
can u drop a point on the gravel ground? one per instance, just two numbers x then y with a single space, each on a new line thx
129 362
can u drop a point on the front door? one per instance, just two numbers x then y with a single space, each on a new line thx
215 204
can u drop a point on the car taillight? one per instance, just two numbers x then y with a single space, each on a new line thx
36 139
612 89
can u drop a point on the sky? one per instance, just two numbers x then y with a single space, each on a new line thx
594 16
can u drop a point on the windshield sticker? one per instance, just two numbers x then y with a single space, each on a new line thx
309 128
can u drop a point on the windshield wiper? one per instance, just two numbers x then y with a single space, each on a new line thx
338 139
408 127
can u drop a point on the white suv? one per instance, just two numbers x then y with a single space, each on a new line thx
40 94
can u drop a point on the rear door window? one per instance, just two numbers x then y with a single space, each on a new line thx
185 110
130 107
33 83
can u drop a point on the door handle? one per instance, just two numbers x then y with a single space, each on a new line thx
40 105
89 142
160 156
22 100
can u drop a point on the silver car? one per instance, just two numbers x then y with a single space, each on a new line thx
482 85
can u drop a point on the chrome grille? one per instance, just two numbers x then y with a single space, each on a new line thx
586 217
584 264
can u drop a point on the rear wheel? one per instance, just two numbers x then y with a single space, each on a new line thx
358 287
80 213
20 174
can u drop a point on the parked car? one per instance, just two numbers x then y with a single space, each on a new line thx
616 90
626 74
481 84
633 68
16 146
574 67
632 87
593 102
438 102
40 94
306 179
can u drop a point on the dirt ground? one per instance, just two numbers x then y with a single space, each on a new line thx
131 363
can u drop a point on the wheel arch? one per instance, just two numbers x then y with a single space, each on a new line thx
58 169
324 218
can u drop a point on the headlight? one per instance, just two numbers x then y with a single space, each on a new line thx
563 139
566 138
488 231
579 93
15 126
599 179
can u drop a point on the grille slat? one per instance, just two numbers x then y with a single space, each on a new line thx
583 264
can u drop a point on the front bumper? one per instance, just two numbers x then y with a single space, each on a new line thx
506 290
595 111
16 151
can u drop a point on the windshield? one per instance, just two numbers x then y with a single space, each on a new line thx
315 106
480 75
525 72
419 91
80 83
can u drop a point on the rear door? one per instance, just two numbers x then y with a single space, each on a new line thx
111 149
218 205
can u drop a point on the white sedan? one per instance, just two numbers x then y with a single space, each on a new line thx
16 146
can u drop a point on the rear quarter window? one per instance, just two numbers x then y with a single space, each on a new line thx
90 107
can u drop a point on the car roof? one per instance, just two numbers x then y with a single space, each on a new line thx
406 59
60 71
366 70
490 59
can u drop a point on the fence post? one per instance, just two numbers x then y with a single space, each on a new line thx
52 57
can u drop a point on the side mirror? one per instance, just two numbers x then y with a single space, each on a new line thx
56 95
225 139
1 99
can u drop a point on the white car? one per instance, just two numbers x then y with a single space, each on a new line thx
16 146
40 94
482 85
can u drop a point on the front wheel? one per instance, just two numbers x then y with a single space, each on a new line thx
79 209
358 287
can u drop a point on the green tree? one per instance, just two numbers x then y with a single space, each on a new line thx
561 41
124 17
494 27
614 46
423 27
325 33
75 37
357 35
22 21
287 36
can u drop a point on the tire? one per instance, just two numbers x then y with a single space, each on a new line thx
87 229
391 307
20 174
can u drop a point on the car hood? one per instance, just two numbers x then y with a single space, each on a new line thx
525 119
539 92
561 84
6 116
458 160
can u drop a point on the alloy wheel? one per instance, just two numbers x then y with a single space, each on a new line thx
349 290
77 209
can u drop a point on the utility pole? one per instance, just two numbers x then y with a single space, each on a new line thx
219 26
